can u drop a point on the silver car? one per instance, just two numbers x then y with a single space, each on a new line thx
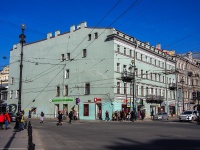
161 116
188 115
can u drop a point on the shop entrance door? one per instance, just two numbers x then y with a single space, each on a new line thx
98 111
56 109
65 110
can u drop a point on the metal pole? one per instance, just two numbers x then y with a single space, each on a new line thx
183 97
188 85
22 41
166 85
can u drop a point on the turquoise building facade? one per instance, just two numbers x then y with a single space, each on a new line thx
81 70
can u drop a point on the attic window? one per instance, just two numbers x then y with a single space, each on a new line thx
62 57
96 35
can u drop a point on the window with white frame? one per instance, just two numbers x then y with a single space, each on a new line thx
137 90
118 87
124 68
147 91
11 92
125 88
62 57
118 48
67 74
58 91
124 50
17 94
66 90
84 53
131 53
68 56
118 67
142 90
87 88
131 89
151 91
12 80
141 73
147 75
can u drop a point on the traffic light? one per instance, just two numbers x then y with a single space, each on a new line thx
77 101
194 95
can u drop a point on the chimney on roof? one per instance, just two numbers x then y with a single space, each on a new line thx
49 35
72 28
57 33
158 46
14 46
83 24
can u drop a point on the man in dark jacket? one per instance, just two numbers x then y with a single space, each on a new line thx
70 117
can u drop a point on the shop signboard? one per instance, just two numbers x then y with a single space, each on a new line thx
62 99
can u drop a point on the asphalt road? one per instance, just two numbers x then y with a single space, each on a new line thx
151 135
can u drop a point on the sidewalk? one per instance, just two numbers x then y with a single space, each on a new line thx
12 139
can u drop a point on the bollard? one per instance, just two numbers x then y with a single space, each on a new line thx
31 145
25 125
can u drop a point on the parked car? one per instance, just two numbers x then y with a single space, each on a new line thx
188 115
161 116
12 116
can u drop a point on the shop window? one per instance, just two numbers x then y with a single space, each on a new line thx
86 110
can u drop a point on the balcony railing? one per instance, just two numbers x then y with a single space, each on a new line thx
127 76
172 86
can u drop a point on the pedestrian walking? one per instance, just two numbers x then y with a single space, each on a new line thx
142 114
41 117
70 117
152 114
107 116
7 120
60 115
133 115
2 119
20 120
17 121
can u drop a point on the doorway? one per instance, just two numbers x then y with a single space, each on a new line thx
98 111
65 110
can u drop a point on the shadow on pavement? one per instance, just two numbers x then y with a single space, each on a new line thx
162 144
10 140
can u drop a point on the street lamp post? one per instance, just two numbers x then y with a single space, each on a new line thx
182 81
22 42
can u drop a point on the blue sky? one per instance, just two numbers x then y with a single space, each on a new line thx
175 24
